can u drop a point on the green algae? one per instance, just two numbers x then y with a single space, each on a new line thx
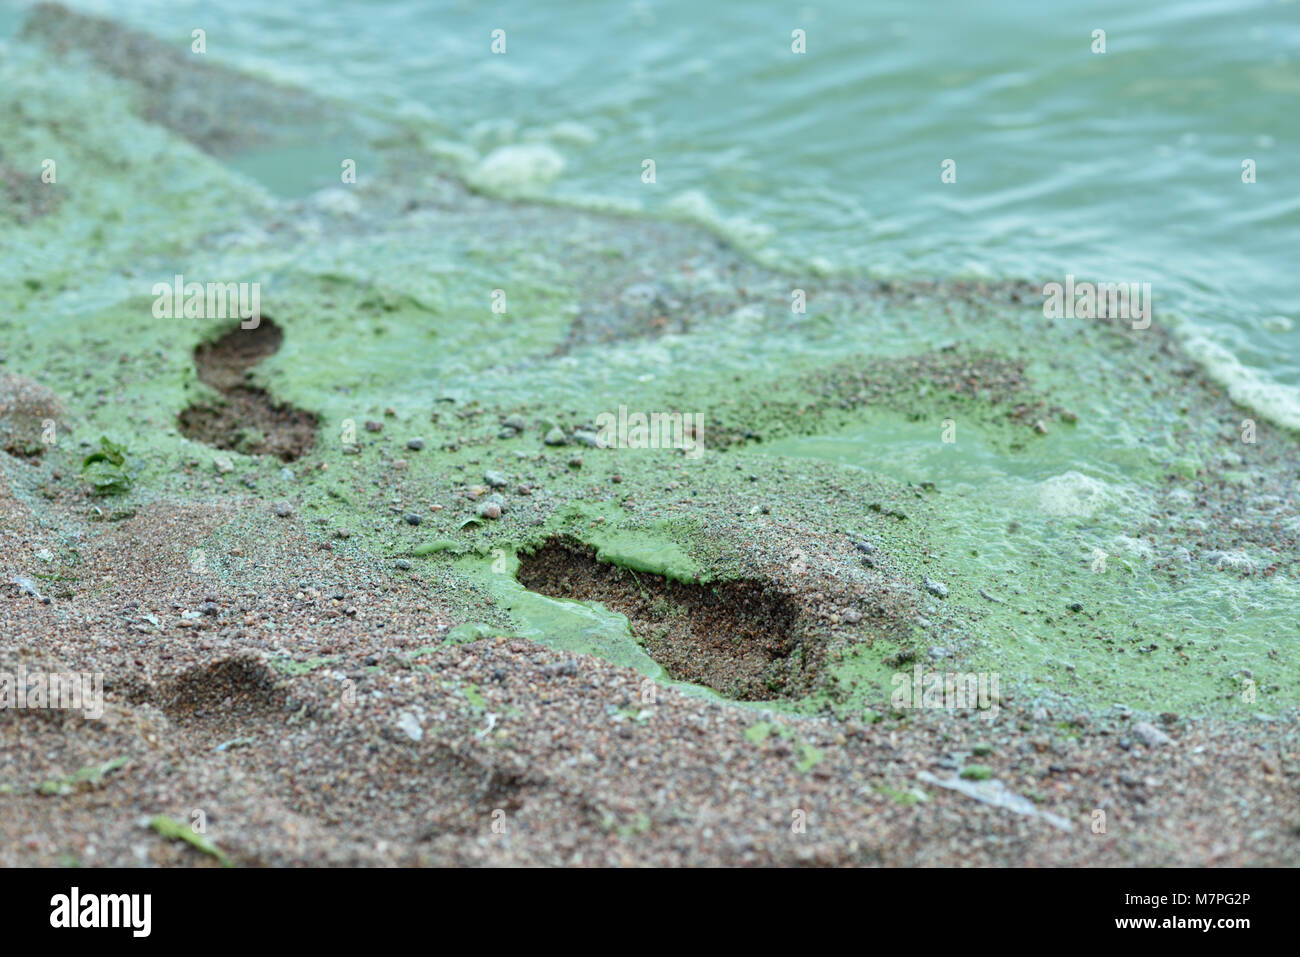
105 469
640 554
475 699
470 631
570 626
1182 652
905 798
441 545
88 778
791 405
289 666
174 830
808 756
654 549
575 627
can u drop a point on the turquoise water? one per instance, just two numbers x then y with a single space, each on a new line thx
1122 166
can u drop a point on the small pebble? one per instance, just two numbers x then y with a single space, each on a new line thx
1151 736
569 667
282 508
413 518
410 726
415 444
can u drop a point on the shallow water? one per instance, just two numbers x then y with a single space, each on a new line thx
1122 166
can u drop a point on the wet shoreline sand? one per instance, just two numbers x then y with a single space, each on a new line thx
324 662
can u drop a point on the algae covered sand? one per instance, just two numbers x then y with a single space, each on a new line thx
366 584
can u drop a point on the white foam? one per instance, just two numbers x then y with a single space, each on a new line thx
1278 403
518 169
694 206
1134 547
335 201
1072 494
1236 561
568 132
462 156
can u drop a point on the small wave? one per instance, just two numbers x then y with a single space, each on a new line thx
1256 390
694 206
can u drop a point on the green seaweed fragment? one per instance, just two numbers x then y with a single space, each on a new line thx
472 695
174 830
289 666
87 779
105 469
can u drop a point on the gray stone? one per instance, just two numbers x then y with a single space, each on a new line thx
409 725
936 588
1151 736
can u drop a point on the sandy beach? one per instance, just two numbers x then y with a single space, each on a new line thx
367 587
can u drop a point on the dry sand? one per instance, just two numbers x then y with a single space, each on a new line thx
525 756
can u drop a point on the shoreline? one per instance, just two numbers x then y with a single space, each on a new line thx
305 580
